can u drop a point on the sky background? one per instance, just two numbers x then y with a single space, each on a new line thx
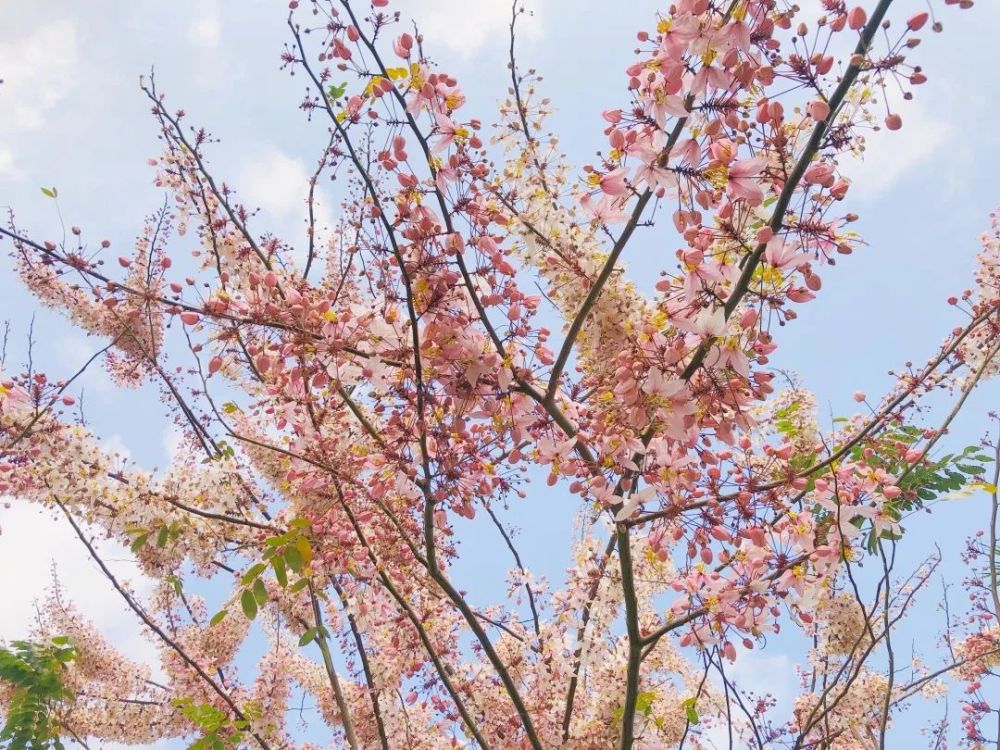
71 116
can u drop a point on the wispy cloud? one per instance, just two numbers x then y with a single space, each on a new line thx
37 544
279 185
760 674
890 156
274 181
172 442
8 166
39 72
205 29
468 27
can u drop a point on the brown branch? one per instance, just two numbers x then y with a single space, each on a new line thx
365 665
439 666
331 672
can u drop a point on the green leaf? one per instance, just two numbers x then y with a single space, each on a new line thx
218 617
308 637
253 573
50 192
276 541
34 673
298 585
249 604
65 655
176 583
335 92
969 469
140 541
644 702
690 712
280 572
294 559
305 549
162 536
259 591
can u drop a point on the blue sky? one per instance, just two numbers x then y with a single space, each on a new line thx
71 115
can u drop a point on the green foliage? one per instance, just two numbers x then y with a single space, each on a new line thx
217 731
801 461
161 532
782 419
950 473
690 710
225 451
923 482
928 480
312 634
34 671
644 702
286 552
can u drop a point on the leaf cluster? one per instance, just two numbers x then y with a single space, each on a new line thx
34 672
217 730
284 553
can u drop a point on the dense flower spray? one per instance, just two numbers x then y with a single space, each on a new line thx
343 412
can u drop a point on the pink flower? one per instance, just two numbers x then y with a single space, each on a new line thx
447 130
632 503
819 110
354 105
608 210
917 21
783 255
856 18
659 106
708 323
657 385
402 45
13 395
613 183
742 184
820 173
723 151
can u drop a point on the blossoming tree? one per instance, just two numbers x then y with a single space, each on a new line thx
348 405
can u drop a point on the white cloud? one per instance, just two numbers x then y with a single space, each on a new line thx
467 26
33 542
75 348
115 445
279 185
172 442
276 182
8 167
889 156
39 72
205 29
760 674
